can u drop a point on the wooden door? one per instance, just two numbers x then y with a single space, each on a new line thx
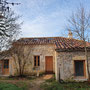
49 64
5 67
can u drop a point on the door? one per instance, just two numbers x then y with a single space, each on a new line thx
49 64
5 67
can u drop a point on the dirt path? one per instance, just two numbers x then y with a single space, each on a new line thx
36 84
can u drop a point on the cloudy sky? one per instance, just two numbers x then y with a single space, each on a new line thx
46 17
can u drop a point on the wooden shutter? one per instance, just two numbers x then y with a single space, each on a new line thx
36 60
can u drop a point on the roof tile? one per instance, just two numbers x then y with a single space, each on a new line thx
59 42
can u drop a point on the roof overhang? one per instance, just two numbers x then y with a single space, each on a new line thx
72 49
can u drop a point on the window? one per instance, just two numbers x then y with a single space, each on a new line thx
6 63
79 67
36 60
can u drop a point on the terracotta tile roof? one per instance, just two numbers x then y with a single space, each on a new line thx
59 42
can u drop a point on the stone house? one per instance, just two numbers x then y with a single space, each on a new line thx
63 56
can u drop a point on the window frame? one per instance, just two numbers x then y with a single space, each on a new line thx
6 63
37 62
84 68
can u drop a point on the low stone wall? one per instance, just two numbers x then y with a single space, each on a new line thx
65 64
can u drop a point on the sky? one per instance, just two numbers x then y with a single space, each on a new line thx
46 18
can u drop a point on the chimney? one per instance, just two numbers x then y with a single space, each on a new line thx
70 35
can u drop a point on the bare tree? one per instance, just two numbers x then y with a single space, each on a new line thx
21 56
79 24
9 30
9 26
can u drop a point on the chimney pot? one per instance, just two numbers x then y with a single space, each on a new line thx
70 35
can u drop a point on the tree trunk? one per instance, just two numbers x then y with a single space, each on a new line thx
86 55
20 72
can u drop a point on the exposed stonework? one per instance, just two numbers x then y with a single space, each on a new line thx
38 50
65 64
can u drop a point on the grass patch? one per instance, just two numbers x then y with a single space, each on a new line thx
50 80
8 86
53 85
16 83
22 85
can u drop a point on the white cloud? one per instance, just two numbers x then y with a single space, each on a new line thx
39 21
44 25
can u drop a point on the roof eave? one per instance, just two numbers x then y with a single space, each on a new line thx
72 49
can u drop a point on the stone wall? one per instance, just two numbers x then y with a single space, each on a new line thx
65 65
38 50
